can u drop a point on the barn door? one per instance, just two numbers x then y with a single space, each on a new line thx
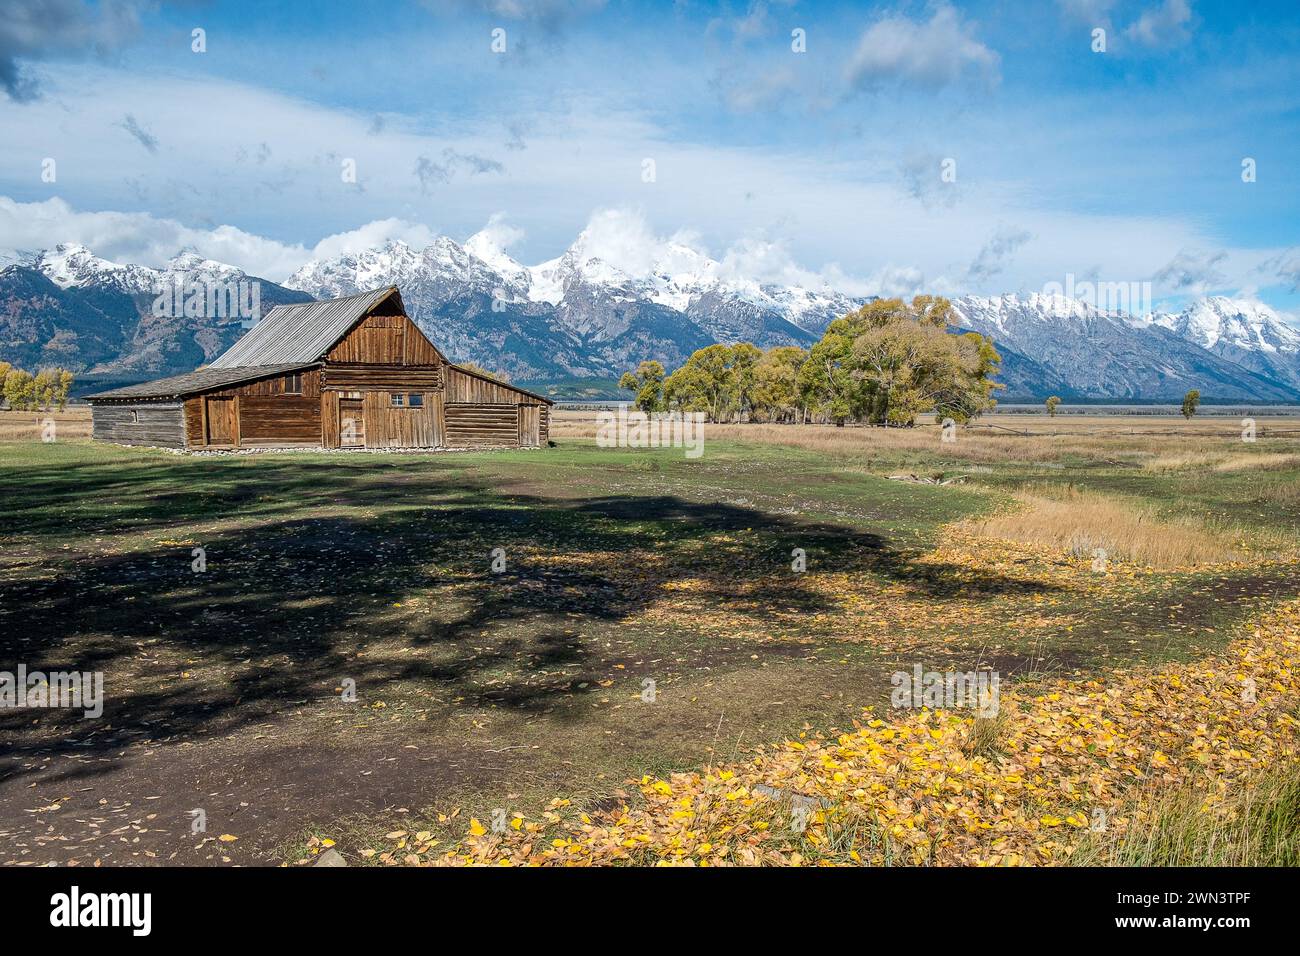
529 426
221 420
352 423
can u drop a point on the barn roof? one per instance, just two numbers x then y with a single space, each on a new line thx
178 386
302 333
288 338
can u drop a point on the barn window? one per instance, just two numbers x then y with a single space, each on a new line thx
397 399
135 417
293 384
415 400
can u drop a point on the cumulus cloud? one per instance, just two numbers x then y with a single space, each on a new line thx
371 235
1164 25
624 239
140 237
44 29
495 237
1192 270
928 55
152 241
996 254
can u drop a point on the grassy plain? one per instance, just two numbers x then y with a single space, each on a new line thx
625 570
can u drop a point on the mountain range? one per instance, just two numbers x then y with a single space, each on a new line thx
578 319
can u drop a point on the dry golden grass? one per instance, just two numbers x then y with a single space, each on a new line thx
1221 462
1135 440
73 422
1080 523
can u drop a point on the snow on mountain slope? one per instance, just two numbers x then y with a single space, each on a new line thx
582 315
73 266
1103 354
1241 323
1241 330
96 316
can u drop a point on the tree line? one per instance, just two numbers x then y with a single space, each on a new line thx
24 391
884 364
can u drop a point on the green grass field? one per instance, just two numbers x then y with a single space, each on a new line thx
480 689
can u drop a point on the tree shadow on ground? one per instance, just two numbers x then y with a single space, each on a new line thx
293 602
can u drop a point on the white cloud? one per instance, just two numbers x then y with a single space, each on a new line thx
147 240
139 237
370 235
930 55
1165 25
812 208
621 238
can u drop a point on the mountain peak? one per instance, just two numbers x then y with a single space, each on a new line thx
1219 322
71 264
485 247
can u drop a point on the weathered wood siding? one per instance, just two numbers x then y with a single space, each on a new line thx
265 412
385 340
383 355
144 423
391 377
329 417
464 388
481 412
471 426
404 427
194 420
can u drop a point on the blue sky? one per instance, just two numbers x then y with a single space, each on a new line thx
821 165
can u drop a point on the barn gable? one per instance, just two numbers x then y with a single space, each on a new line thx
305 332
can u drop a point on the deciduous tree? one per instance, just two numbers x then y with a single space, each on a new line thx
647 384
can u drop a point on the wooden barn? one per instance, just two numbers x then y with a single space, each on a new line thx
354 372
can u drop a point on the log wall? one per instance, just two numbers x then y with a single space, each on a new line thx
384 354
475 426
144 423
391 377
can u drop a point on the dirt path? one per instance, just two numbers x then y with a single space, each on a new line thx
72 811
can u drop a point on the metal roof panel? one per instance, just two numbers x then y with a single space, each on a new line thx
300 333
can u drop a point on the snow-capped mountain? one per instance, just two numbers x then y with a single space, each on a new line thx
67 306
1100 354
579 316
726 307
595 318
1246 332
70 265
